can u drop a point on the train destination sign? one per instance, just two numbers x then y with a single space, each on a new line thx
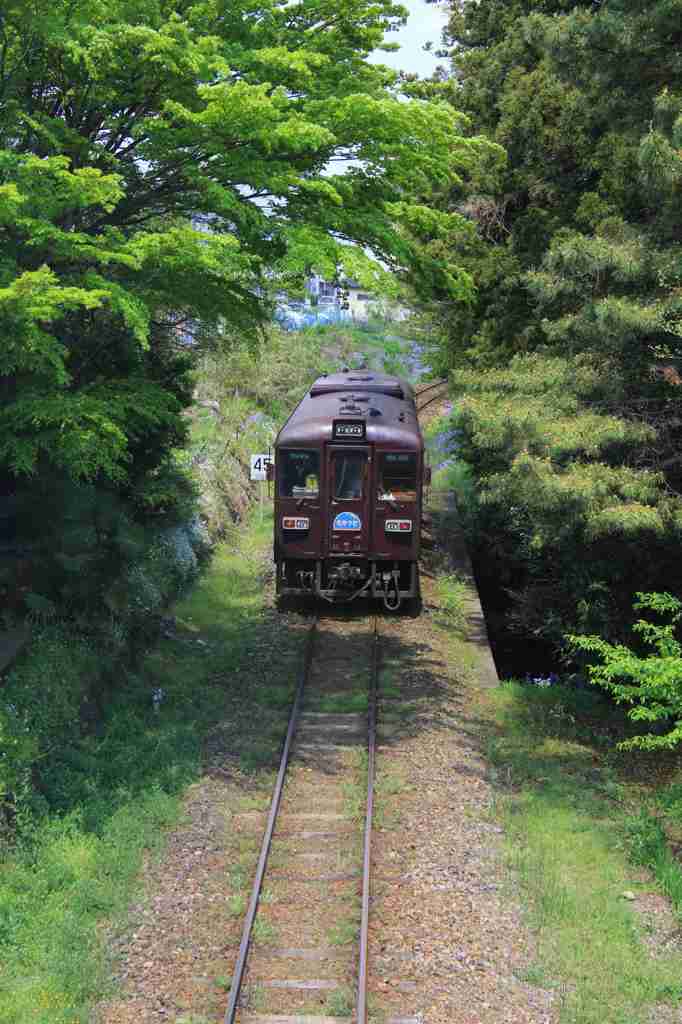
347 521
349 430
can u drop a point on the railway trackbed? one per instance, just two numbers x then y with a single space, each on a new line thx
304 950
429 393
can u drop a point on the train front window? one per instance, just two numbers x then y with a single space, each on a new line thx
398 476
349 471
299 474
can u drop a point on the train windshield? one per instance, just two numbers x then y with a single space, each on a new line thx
299 474
349 473
398 476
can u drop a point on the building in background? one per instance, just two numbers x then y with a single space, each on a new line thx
329 302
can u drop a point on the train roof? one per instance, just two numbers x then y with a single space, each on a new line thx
362 380
386 405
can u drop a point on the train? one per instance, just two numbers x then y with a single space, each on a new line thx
350 474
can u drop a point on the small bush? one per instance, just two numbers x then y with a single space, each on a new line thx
176 546
40 711
651 685
138 597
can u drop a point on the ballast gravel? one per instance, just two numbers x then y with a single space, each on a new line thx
450 945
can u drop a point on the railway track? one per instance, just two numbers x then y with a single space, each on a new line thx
314 868
430 393
303 956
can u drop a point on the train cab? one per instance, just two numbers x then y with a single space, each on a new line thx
349 472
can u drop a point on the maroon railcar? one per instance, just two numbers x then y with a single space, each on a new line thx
349 471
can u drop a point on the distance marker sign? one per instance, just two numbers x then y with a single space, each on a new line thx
259 466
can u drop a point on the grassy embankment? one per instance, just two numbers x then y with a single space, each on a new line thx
589 831
583 822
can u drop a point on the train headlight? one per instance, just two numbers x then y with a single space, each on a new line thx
398 526
295 523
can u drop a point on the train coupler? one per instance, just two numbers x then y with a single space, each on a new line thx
306 580
391 578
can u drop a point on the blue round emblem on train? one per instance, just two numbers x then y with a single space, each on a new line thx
347 521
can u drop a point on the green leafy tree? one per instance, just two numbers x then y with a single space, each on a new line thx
649 684
164 168
504 79
569 515
158 162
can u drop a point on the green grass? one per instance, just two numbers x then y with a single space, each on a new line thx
568 840
344 702
388 685
340 1003
120 787
263 932
647 842
236 905
452 592
238 876
51 900
355 790
345 931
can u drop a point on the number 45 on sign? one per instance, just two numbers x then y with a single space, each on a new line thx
259 466
259 471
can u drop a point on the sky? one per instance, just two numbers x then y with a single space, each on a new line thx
424 23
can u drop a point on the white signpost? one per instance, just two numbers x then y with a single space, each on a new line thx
259 466
259 471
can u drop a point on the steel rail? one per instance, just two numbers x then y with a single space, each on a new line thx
238 973
430 401
367 850
432 398
421 388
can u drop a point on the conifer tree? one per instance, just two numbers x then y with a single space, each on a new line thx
574 431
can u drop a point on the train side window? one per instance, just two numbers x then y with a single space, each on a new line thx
299 475
349 472
397 476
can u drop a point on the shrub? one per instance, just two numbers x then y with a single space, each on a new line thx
138 597
650 684
40 712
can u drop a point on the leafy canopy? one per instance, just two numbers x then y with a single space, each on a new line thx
163 163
